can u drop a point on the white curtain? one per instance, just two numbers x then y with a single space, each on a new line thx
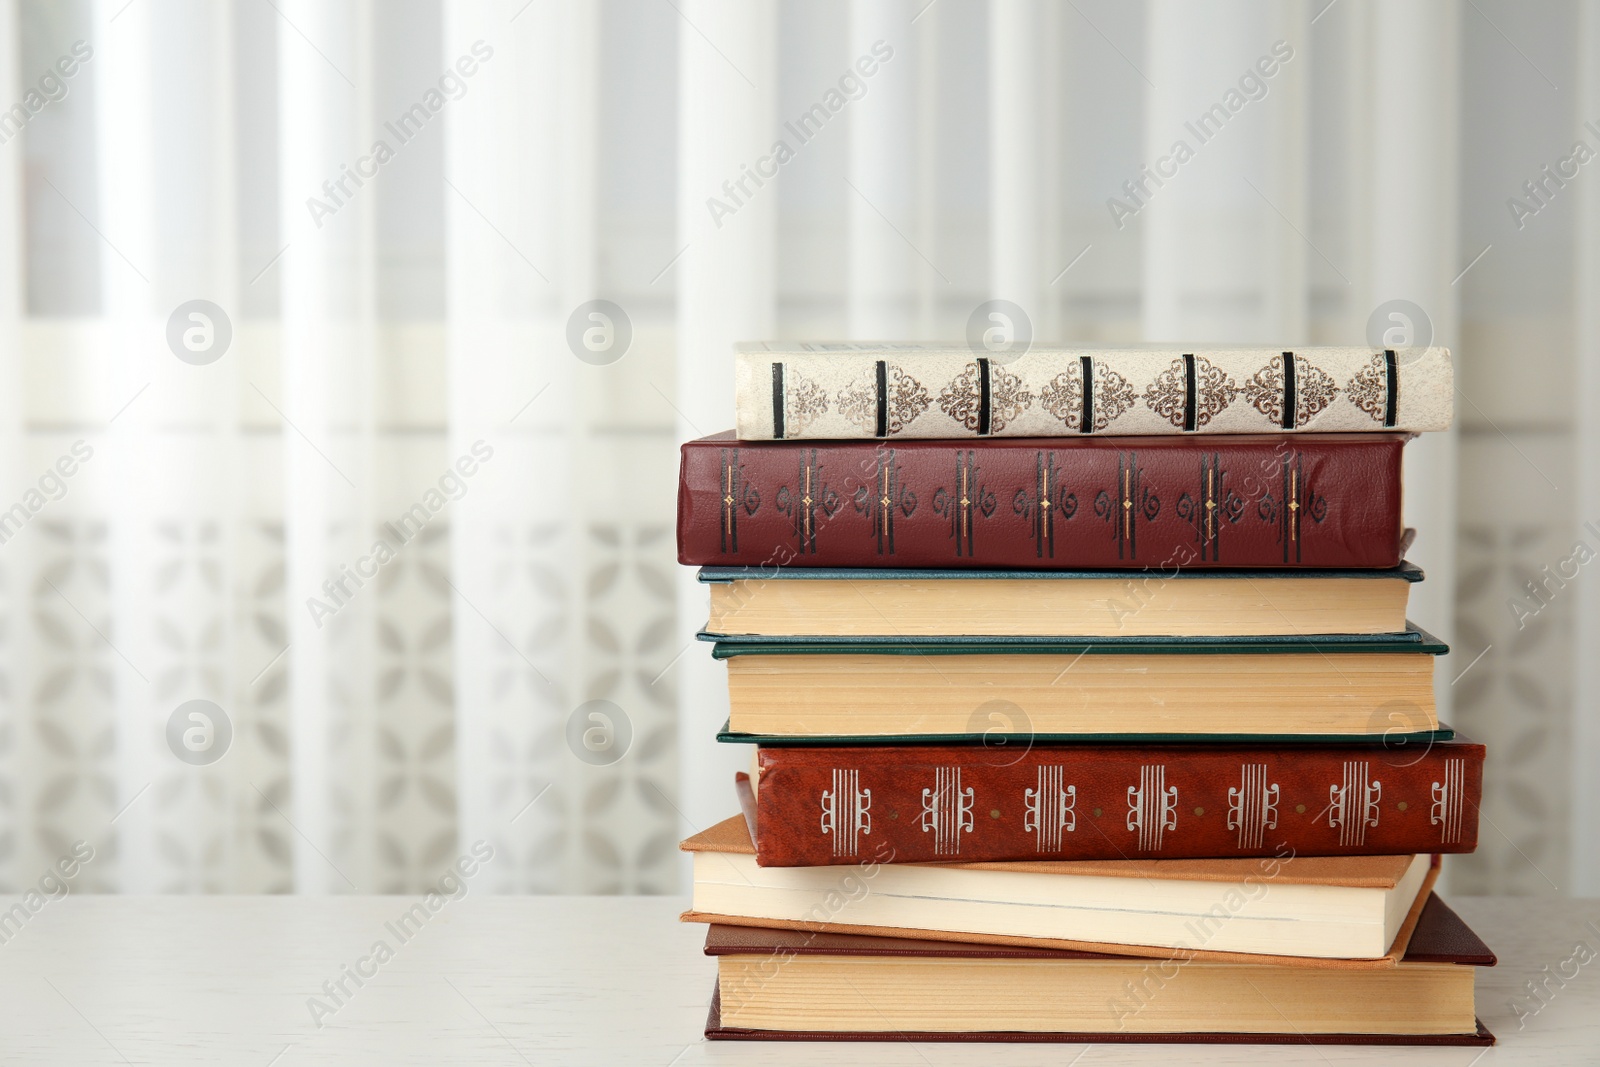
1585 444
398 504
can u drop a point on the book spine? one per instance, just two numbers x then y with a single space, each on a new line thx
1152 504
1043 392
822 806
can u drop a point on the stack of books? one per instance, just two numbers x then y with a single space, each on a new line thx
1082 701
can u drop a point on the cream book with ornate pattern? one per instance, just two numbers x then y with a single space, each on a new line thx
790 390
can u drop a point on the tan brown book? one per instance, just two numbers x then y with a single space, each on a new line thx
1355 911
773 984
1175 602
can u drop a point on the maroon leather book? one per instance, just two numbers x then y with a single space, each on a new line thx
1440 937
1308 500
816 806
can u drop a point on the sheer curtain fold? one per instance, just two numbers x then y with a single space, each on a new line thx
1415 252
126 145
168 225
1222 198
16 851
1024 125
514 218
558 755
324 401
1585 829
727 118
881 297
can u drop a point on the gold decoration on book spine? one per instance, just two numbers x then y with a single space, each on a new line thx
804 401
1008 397
1369 389
1062 397
1168 395
858 402
904 399
1314 390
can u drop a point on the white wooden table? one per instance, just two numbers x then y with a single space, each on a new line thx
564 980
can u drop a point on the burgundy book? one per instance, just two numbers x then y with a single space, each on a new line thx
1309 500
816 806
759 958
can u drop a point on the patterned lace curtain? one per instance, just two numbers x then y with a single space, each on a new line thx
371 450
336 472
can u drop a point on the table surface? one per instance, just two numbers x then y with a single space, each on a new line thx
572 980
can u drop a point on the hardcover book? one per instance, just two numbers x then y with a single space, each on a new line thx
795 985
1330 911
1153 504
831 602
1324 686
784 390
817 806
992 725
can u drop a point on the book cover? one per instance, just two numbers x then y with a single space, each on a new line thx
817 806
785 391
1440 936
1412 641
838 899
861 602
1407 572
990 726
735 836
715 1031
891 687
1159 505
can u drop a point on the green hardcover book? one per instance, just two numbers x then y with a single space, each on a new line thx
1158 602
1307 687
